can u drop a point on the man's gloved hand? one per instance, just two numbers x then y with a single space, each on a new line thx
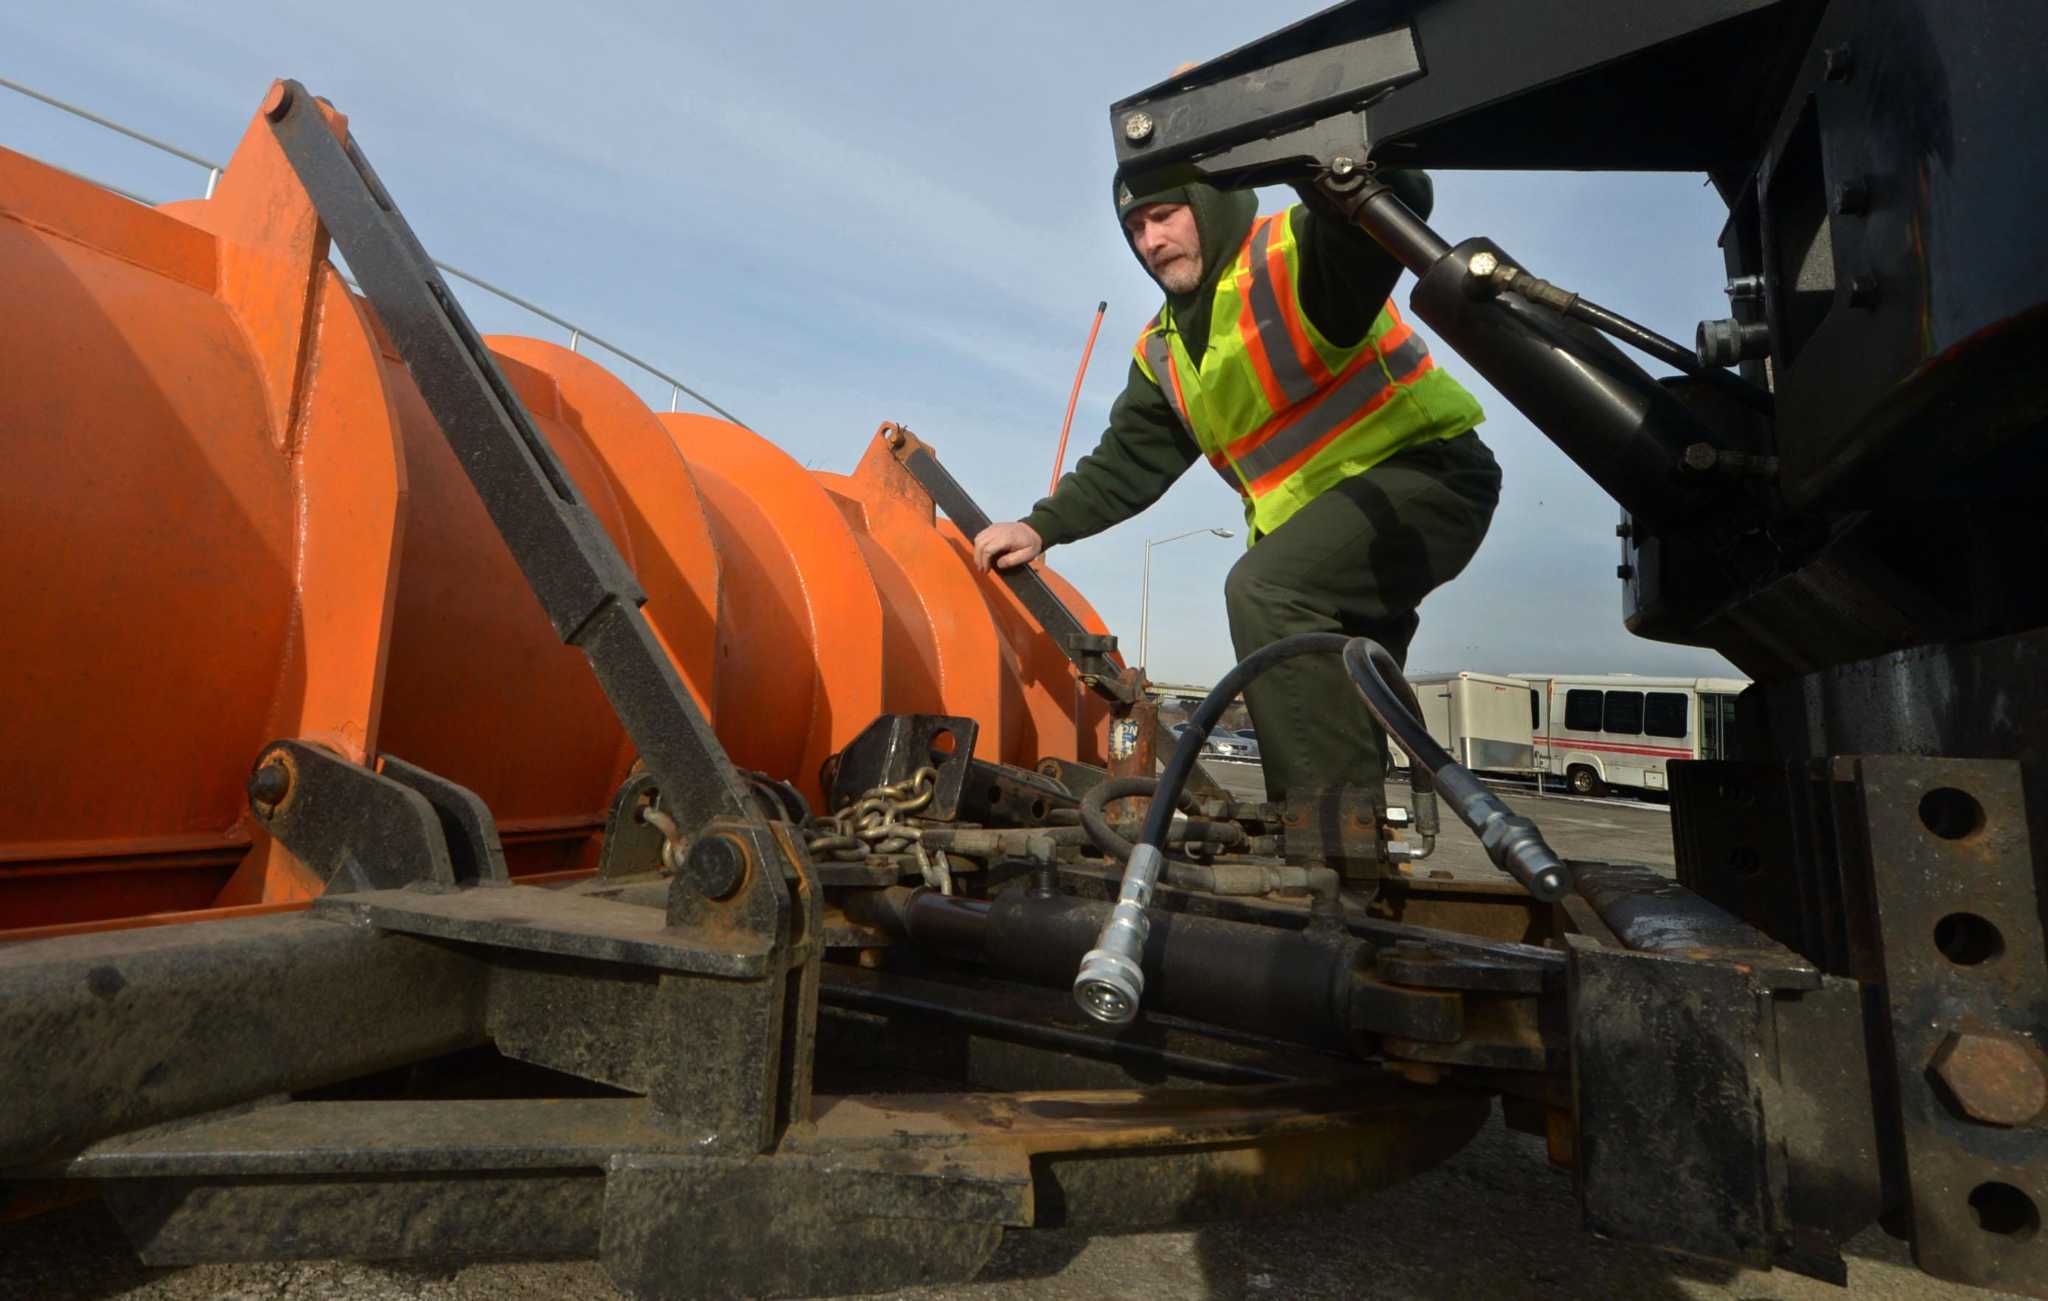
1006 546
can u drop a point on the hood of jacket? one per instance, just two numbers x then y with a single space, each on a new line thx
1222 220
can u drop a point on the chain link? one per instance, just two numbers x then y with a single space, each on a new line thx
872 823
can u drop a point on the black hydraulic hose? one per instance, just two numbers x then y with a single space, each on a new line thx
1111 981
1182 761
1640 337
1512 842
1671 353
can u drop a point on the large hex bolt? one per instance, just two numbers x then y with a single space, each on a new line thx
1996 1079
717 866
270 784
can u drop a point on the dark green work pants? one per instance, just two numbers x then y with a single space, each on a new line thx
1357 560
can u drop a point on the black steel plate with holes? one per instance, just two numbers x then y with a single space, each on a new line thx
1953 879
583 584
355 829
893 747
466 823
1086 649
998 795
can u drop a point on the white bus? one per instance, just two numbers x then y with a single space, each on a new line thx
1617 729
1486 720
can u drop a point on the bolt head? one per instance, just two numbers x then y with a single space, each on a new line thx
270 783
1863 292
1996 1079
1624 572
1483 264
1342 165
1138 127
1851 199
717 865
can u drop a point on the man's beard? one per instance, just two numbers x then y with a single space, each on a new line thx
1182 275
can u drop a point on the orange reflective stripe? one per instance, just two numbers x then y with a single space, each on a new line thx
1280 459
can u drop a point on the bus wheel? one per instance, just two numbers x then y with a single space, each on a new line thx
1584 781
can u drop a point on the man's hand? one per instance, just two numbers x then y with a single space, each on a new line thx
1006 546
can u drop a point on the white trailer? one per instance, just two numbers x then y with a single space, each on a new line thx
1596 730
1487 721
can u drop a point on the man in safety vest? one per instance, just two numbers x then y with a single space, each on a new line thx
1279 357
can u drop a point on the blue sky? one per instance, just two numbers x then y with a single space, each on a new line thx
827 215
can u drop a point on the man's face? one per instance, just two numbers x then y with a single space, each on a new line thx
1165 237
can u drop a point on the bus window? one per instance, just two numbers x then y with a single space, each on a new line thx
1664 713
1624 715
1582 711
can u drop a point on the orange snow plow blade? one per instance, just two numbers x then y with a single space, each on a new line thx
228 516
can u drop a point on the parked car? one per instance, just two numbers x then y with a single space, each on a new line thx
1224 743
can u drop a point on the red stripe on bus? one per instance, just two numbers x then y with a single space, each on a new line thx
1608 745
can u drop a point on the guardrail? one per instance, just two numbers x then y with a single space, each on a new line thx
578 335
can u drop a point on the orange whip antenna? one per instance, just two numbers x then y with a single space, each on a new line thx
1060 458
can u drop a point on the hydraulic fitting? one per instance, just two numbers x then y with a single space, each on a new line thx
1111 980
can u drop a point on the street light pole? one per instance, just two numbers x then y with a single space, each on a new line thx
1145 590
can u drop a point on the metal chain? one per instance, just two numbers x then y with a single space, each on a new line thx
873 822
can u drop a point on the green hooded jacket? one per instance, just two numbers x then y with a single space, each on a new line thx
1345 279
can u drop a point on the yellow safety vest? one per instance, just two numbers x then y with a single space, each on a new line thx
1280 411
